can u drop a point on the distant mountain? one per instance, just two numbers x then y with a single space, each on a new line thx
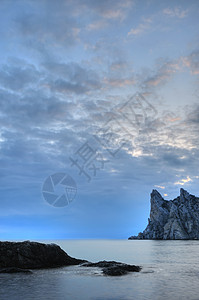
176 219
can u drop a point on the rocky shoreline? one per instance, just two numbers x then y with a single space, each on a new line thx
22 257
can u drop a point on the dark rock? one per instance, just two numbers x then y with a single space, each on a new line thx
120 270
113 268
33 255
176 219
101 264
15 270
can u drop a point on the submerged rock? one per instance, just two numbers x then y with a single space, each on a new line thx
176 219
33 255
113 268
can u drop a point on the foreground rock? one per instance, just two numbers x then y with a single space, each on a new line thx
113 268
33 255
176 219
15 270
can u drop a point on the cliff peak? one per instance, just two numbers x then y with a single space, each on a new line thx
156 196
155 193
184 194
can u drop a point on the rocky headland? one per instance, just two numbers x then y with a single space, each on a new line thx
176 219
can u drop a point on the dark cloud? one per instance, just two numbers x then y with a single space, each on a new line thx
71 78
45 23
18 77
193 115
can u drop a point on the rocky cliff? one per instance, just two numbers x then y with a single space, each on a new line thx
176 219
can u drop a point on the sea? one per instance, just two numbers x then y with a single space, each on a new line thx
170 270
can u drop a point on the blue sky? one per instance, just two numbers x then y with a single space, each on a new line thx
67 67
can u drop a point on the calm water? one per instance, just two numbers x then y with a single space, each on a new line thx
170 271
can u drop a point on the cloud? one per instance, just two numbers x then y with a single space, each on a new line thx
160 187
110 9
70 78
46 27
119 82
118 65
192 62
141 28
165 69
18 75
163 72
192 115
183 181
114 14
176 12
97 25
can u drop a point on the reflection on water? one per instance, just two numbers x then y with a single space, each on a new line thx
170 271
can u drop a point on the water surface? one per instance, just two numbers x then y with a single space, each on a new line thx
170 271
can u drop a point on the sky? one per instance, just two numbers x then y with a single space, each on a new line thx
106 93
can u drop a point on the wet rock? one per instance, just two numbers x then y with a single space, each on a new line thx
15 270
113 268
33 255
